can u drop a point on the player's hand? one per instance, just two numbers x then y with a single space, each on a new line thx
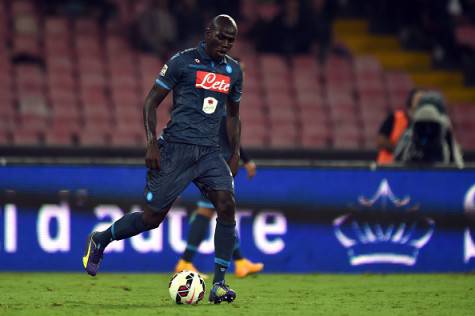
233 163
250 169
152 155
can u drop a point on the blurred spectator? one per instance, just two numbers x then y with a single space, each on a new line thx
393 128
468 9
211 8
383 15
322 13
290 32
467 52
439 25
468 65
422 24
155 29
408 22
99 9
261 33
190 23
429 138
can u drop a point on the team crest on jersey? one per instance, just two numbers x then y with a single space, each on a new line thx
211 81
209 105
164 70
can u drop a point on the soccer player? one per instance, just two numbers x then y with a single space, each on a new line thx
205 83
199 224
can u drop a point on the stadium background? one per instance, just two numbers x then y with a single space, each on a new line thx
73 78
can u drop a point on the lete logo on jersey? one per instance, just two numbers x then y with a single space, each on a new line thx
211 81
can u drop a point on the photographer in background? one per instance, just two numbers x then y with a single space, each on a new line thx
429 139
394 126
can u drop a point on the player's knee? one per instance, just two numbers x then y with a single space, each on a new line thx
153 219
226 208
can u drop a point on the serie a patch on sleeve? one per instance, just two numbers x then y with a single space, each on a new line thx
164 70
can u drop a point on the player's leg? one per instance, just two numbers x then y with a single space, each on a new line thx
129 225
216 182
224 240
199 224
161 190
243 266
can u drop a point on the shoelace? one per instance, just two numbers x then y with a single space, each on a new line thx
223 285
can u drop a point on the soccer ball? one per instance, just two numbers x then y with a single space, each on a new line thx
186 287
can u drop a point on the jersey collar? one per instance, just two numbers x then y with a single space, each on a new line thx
205 56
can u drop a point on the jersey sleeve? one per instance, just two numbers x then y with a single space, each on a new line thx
170 73
236 89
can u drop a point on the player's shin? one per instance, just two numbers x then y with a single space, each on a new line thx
224 239
237 248
197 233
129 225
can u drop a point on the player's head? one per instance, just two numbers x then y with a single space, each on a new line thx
413 99
220 35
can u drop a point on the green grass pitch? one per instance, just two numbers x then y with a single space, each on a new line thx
266 294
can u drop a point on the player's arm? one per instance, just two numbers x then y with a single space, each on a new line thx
166 81
233 123
249 165
152 101
233 127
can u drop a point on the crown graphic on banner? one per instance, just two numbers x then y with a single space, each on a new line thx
397 242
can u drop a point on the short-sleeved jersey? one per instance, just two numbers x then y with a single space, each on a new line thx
201 88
